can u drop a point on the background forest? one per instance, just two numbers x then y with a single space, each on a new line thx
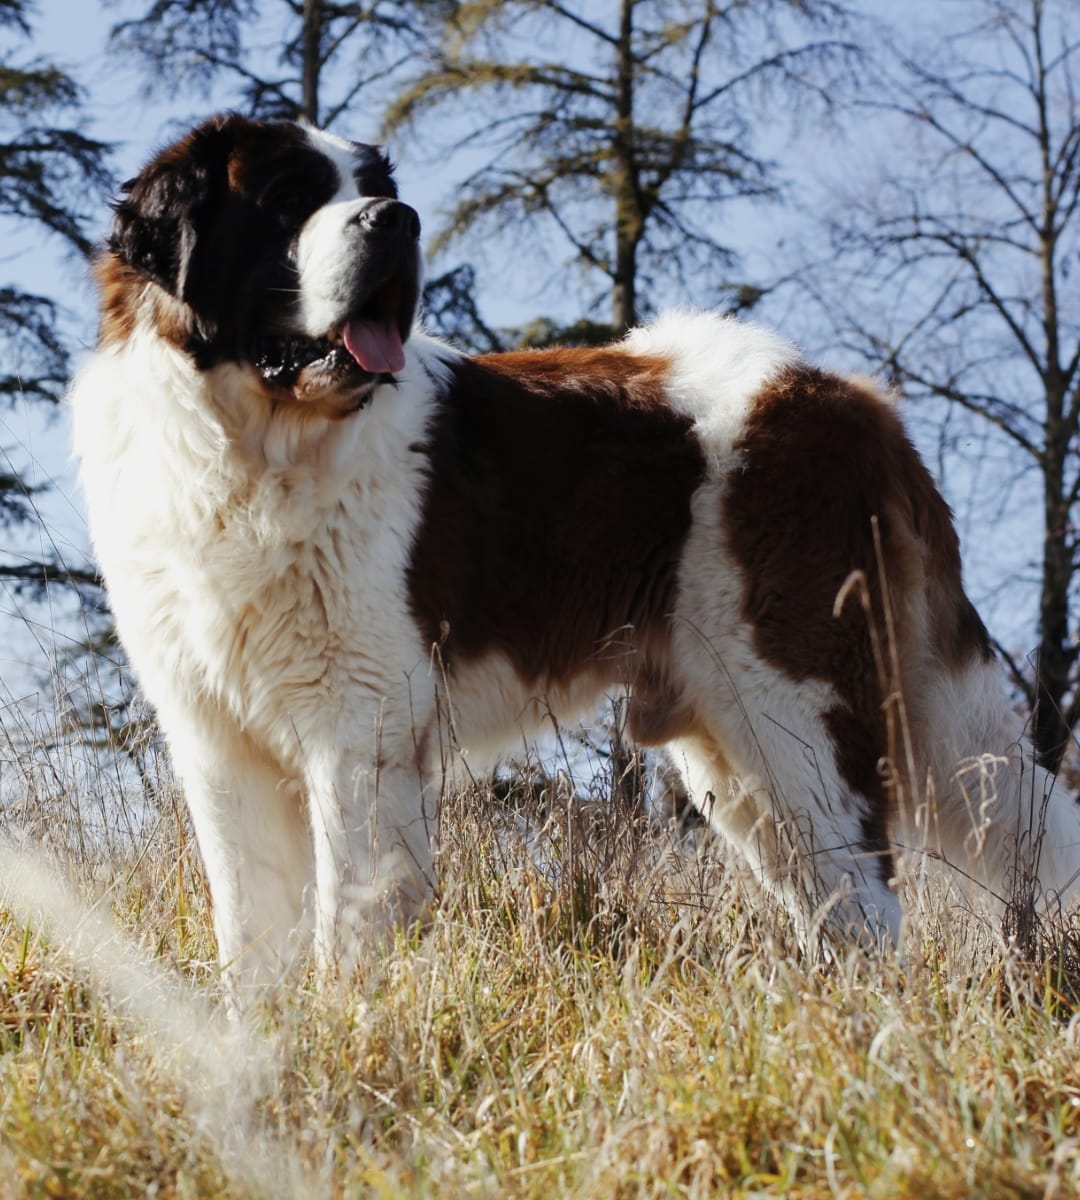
900 199
895 189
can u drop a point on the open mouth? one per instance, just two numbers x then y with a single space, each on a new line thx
372 340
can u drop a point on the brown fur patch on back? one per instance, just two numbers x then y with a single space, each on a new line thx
555 517
822 458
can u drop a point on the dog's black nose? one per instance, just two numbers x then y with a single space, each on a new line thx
390 217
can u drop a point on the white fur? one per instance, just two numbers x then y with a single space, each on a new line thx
325 264
257 559
341 152
720 365
256 569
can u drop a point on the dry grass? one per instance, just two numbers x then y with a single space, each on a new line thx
605 1014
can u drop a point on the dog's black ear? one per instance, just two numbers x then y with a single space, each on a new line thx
159 215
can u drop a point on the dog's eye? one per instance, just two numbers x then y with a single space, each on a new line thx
287 200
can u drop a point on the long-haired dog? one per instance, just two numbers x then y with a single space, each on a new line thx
329 539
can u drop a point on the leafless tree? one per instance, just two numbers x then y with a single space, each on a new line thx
955 272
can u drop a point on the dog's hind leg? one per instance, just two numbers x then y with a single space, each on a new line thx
1001 823
808 836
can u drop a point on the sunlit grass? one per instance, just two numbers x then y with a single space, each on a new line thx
607 1012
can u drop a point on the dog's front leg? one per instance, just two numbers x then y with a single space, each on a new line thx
253 836
373 822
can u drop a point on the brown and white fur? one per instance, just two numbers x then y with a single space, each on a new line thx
329 539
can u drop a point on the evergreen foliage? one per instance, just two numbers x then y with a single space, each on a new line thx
52 177
621 132
283 59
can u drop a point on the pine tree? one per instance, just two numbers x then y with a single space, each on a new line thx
281 59
621 132
51 177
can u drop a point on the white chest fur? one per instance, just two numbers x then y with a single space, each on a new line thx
251 554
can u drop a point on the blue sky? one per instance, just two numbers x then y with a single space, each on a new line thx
73 33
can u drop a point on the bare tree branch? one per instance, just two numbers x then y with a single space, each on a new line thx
969 241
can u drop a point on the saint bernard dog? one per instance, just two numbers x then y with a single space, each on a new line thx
341 554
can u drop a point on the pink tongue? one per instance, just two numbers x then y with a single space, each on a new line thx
376 345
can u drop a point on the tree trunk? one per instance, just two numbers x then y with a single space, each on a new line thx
628 219
1057 655
312 60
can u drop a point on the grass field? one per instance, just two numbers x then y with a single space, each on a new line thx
610 1013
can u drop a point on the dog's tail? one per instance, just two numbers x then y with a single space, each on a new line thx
1004 825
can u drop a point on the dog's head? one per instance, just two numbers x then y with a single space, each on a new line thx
271 245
